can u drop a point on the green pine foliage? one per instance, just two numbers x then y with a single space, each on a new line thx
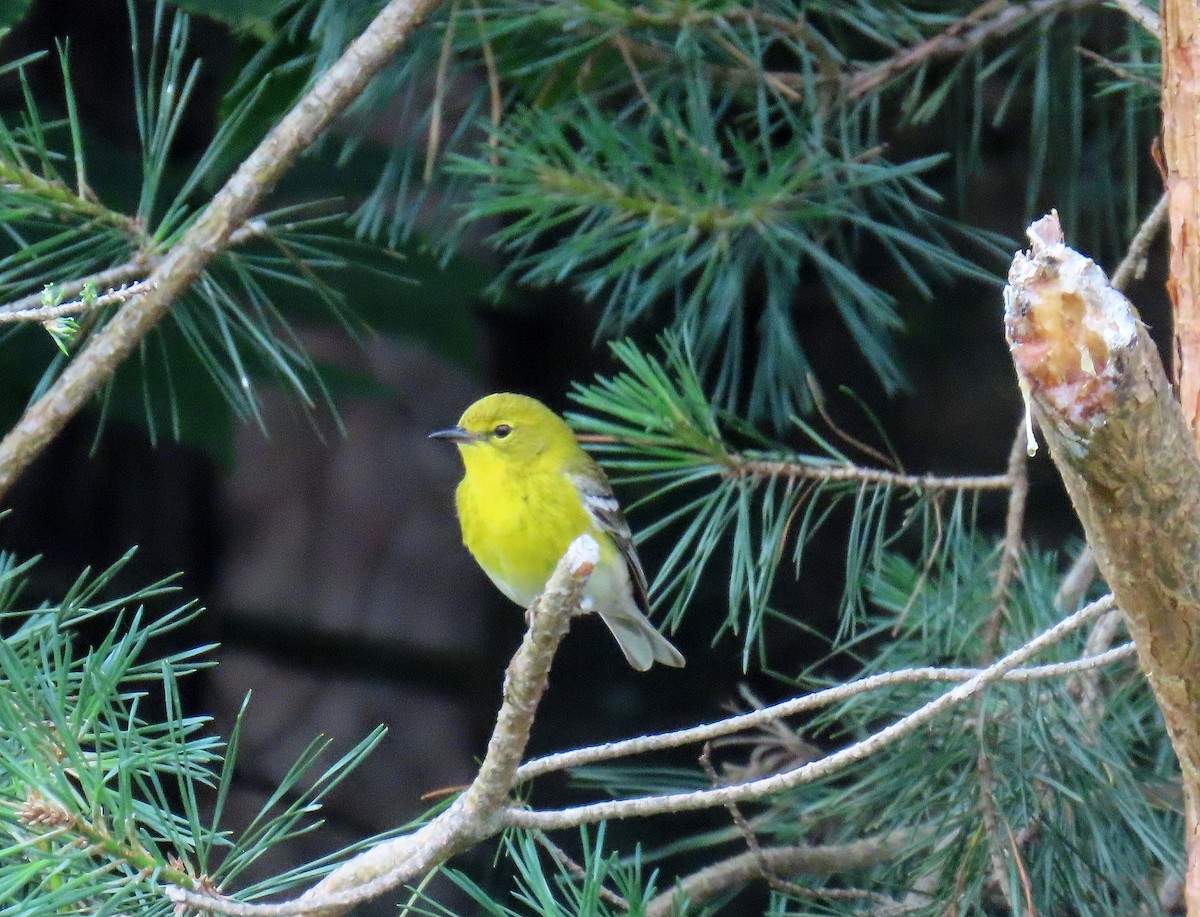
600 886
671 161
710 170
752 508
108 790
230 323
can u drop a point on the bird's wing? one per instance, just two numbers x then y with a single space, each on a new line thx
602 506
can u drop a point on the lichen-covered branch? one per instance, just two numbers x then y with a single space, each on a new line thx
340 85
1097 389
640 745
740 466
114 284
643 806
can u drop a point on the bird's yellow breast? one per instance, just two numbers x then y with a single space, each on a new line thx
518 519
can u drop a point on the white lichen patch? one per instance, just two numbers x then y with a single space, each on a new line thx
582 555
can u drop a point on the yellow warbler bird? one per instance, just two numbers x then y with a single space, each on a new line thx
530 490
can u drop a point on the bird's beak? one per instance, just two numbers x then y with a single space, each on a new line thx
456 435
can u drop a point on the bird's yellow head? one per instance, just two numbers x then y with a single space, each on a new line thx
511 428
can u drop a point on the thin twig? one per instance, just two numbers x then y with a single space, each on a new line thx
1085 686
75 306
107 279
1133 265
1010 556
766 873
136 268
773 80
1121 73
653 107
1022 872
991 20
1010 547
818 399
434 140
742 465
495 97
931 558
991 823
828 471
1076 582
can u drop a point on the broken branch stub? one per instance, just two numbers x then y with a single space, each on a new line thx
1095 385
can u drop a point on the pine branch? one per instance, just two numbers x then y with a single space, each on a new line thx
641 807
702 218
209 234
477 814
59 196
481 811
114 281
609 751
992 20
653 423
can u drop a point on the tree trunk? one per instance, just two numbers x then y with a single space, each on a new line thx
1097 389
1181 148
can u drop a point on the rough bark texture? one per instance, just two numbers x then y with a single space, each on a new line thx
478 813
1097 389
1181 146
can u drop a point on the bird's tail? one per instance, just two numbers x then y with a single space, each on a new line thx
639 641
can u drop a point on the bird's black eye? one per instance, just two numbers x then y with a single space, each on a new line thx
501 431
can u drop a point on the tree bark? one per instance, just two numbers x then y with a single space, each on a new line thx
1181 148
1098 391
